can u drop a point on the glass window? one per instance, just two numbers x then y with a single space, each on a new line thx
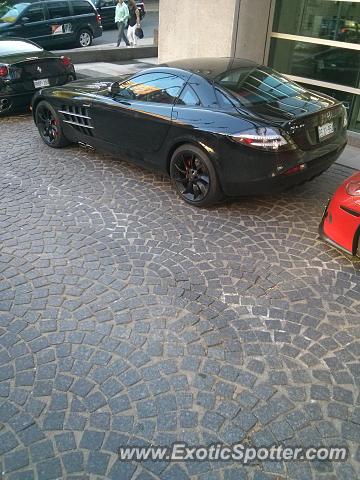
35 13
320 62
326 19
258 85
152 87
188 97
81 7
58 9
223 99
10 13
107 3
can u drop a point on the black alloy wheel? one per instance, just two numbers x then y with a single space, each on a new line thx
194 176
48 124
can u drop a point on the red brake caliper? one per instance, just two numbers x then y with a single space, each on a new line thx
187 163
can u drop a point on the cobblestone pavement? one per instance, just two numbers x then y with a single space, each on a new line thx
128 317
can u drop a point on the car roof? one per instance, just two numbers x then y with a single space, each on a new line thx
211 67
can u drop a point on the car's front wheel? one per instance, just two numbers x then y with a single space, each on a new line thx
84 38
48 124
194 176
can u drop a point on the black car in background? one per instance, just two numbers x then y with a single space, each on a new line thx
216 125
51 23
106 8
26 67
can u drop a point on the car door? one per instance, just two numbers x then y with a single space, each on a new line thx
32 25
138 118
60 21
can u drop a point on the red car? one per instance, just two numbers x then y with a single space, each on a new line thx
340 225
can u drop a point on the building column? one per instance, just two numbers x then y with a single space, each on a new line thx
212 28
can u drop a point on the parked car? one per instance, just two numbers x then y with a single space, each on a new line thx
106 8
340 224
217 125
24 68
51 23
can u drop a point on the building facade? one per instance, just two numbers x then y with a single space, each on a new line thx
314 42
317 43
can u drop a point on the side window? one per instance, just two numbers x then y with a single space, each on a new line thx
58 9
82 7
152 87
222 99
188 97
34 13
107 3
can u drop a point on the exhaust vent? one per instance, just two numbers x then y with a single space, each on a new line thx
78 118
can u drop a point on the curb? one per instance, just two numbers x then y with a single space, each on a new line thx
108 54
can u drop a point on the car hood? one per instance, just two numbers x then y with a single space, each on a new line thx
93 85
23 57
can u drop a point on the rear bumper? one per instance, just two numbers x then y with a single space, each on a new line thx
23 99
97 31
280 182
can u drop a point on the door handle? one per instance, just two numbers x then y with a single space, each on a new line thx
125 103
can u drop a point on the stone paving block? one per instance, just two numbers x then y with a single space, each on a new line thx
130 317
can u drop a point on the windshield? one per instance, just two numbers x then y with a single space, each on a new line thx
258 84
10 13
12 47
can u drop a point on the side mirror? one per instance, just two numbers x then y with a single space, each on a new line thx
114 88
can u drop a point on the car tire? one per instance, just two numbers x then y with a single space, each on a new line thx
84 38
49 126
194 177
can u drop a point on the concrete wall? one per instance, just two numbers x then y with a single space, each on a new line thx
196 28
205 28
254 25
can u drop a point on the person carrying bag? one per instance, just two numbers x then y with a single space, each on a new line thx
134 23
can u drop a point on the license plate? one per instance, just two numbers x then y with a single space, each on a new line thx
44 82
326 130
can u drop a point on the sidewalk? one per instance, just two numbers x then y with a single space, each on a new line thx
104 69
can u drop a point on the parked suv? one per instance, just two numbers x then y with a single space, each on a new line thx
106 9
51 23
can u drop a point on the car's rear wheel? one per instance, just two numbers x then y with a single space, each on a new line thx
48 124
84 38
194 176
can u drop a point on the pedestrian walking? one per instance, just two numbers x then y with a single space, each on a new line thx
134 22
121 18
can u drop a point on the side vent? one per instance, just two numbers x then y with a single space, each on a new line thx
78 118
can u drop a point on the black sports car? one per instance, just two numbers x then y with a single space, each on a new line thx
217 125
24 68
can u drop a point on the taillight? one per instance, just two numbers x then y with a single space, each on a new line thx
353 188
4 71
98 19
66 61
264 138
